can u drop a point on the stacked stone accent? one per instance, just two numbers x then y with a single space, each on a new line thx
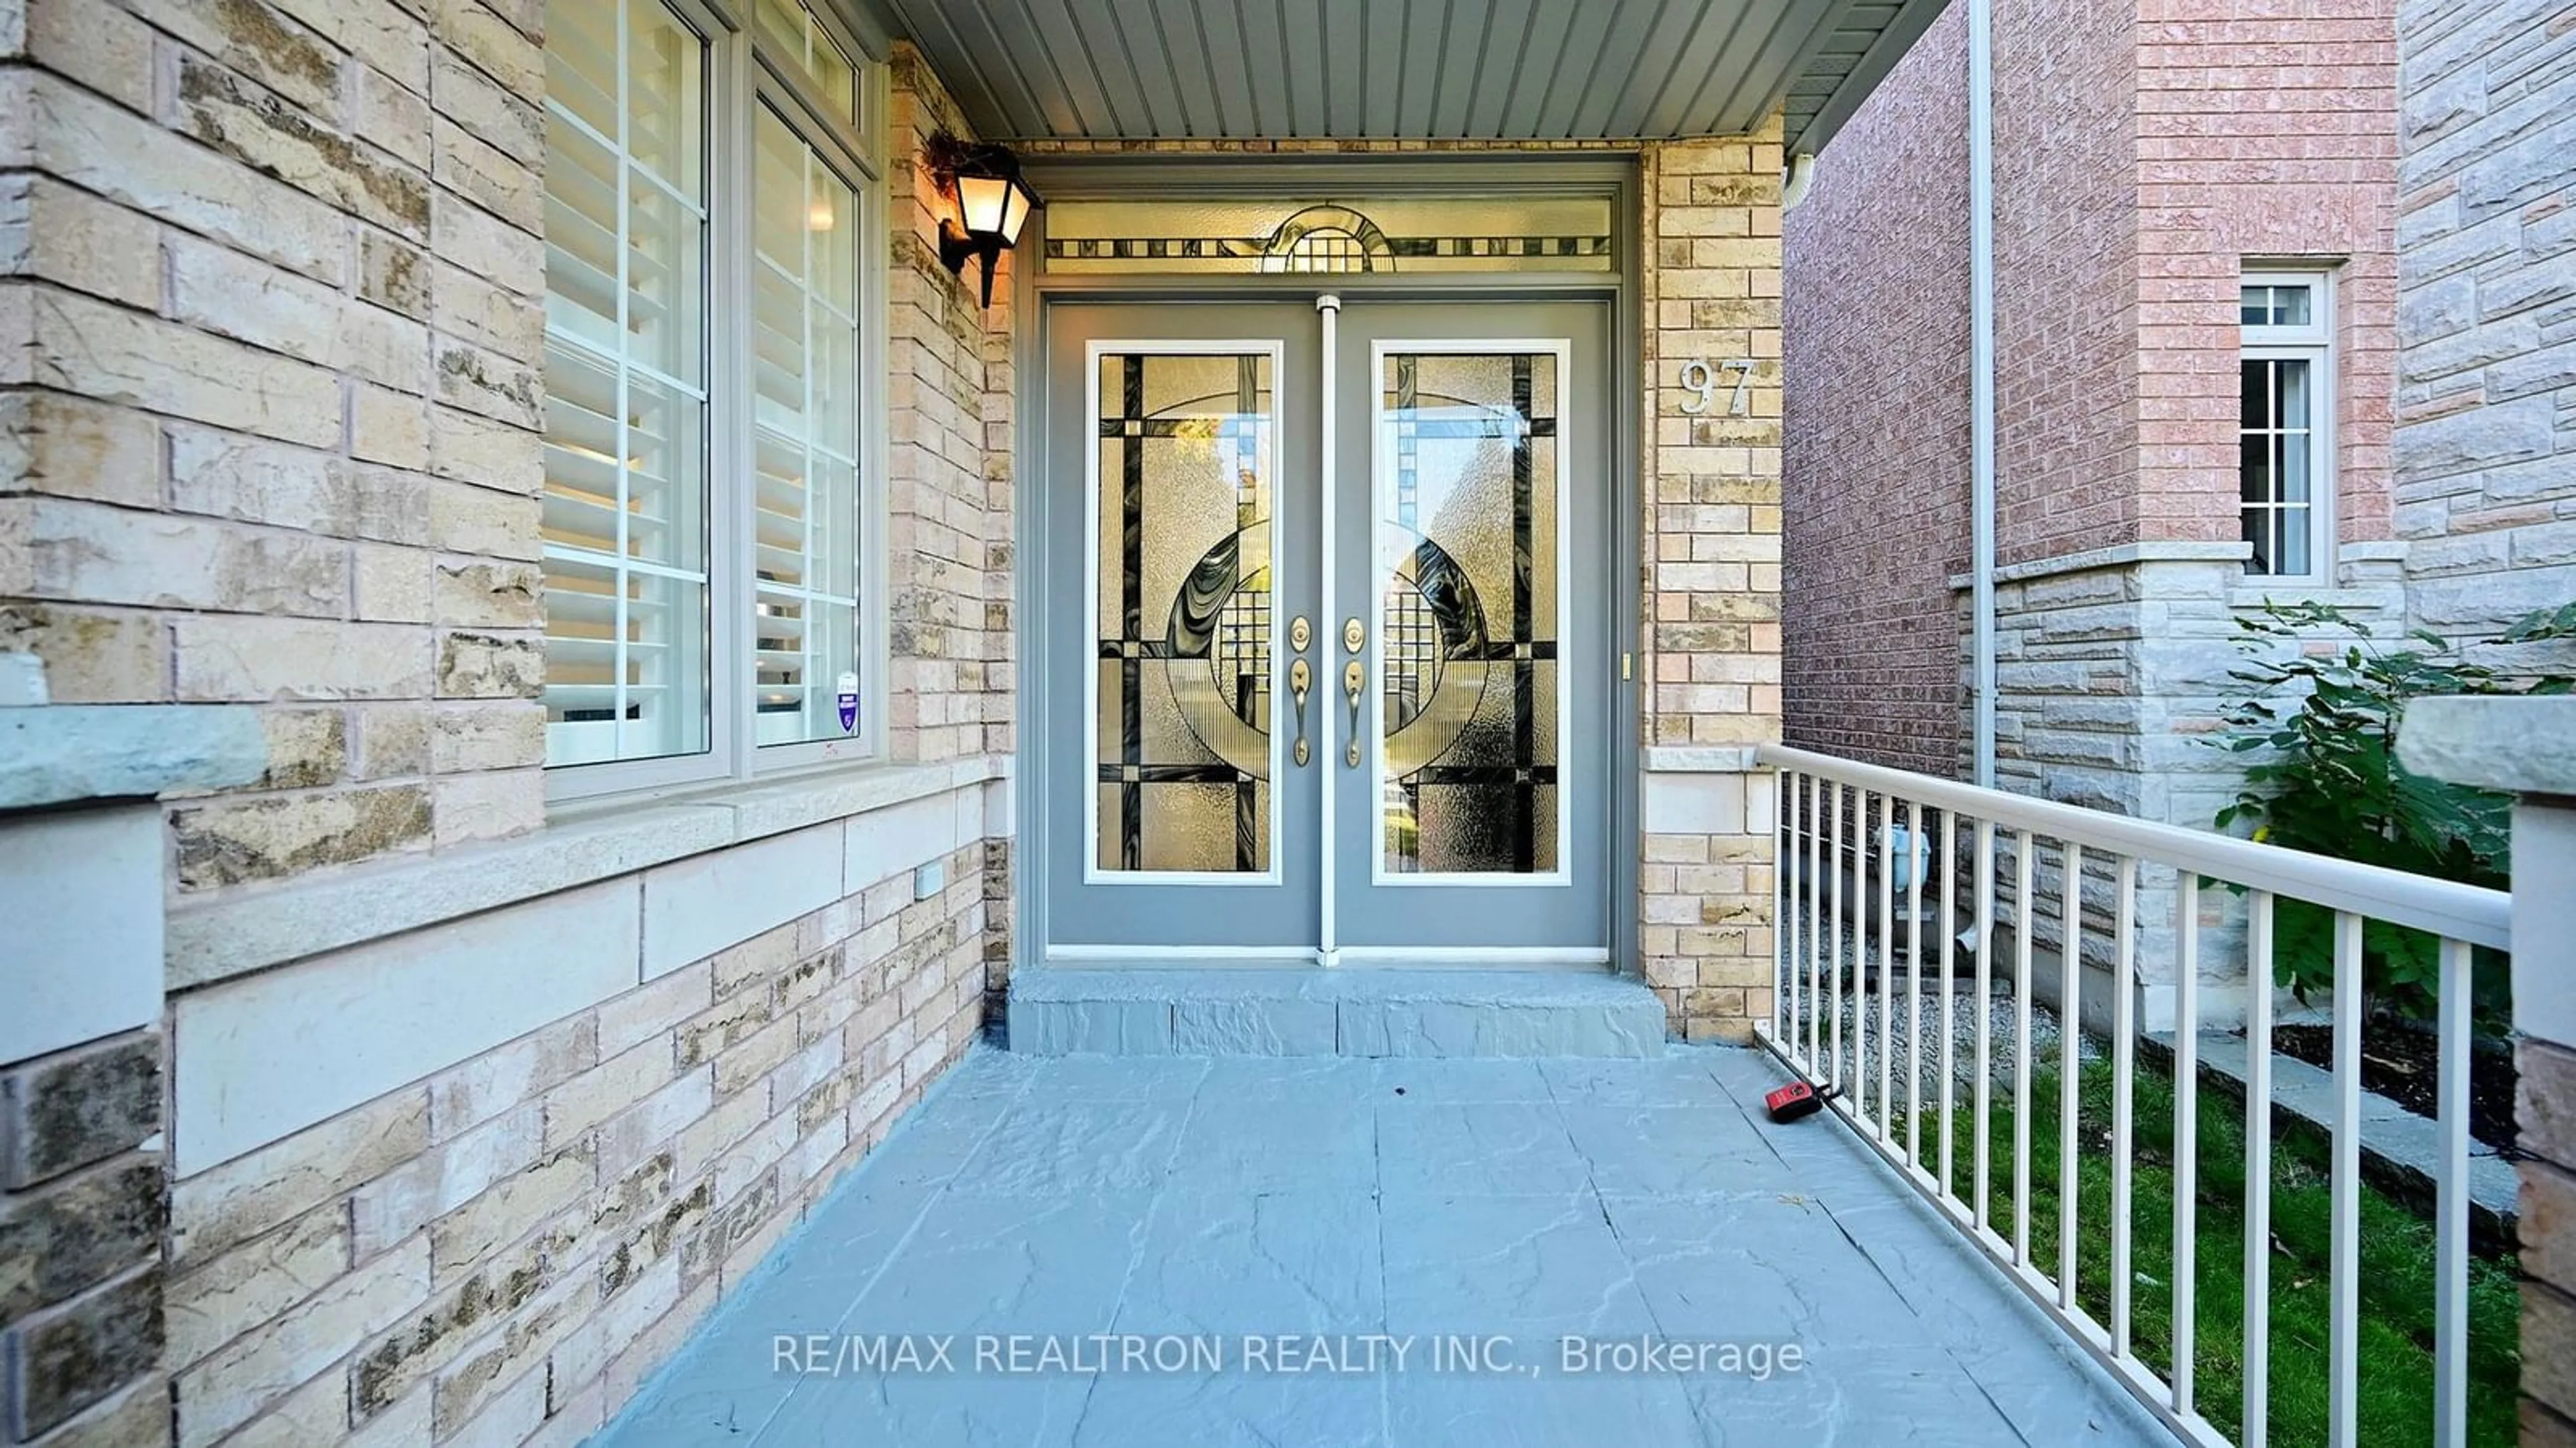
2486 473
2113 683
499 1253
2547 1118
274 281
951 517
82 1206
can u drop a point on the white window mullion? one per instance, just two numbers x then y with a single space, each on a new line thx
811 640
623 622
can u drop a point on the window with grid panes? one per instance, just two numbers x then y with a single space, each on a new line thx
711 328
2285 424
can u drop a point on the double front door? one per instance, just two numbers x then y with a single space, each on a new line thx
1326 636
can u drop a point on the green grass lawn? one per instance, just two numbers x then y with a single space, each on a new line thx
2396 1350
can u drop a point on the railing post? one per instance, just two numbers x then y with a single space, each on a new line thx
2526 746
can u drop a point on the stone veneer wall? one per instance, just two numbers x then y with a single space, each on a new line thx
2486 403
955 682
500 1252
2486 486
1712 586
2113 677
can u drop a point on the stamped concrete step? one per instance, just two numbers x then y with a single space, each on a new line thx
1057 1011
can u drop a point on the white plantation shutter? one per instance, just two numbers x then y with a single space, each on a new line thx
626 499
805 430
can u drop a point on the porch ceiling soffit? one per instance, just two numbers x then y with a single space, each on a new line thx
1497 70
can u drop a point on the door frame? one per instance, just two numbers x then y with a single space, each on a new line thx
1611 173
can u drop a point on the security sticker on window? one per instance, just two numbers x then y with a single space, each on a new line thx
849 702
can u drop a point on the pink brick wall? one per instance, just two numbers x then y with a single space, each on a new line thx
2066 360
1876 333
2265 130
2144 151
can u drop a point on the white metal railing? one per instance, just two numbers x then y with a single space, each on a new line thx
1845 828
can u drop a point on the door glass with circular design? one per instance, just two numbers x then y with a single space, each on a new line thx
1182 617
1470 570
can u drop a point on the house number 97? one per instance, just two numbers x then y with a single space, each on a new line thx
1700 377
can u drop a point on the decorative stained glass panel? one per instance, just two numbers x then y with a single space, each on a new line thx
1469 618
1183 618
1384 234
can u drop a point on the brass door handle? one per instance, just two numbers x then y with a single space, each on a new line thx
1354 680
1301 679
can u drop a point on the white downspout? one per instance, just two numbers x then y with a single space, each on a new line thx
1796 178
1981 375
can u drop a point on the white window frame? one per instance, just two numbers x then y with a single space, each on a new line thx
2313 343
741 75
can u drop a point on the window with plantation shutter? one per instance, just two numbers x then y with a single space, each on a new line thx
714 364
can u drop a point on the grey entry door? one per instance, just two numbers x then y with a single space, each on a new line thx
1470 550
1325 667
1179 523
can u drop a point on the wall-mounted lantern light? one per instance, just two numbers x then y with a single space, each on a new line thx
989 203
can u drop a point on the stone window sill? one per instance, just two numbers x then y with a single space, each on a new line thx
596 840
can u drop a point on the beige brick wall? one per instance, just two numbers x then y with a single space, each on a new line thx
953 506
279 438
273 273
951 501
501 1250
1712 569
504 1250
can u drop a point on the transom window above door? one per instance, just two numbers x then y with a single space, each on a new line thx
1379 234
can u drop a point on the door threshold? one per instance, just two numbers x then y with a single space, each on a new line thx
1574 960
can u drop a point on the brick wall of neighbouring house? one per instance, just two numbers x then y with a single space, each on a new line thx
2066 277
1876 332
2262 132
2486 474
2143 153
2486 459
279 433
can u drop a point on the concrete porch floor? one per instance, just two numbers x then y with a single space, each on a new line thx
1401 1199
